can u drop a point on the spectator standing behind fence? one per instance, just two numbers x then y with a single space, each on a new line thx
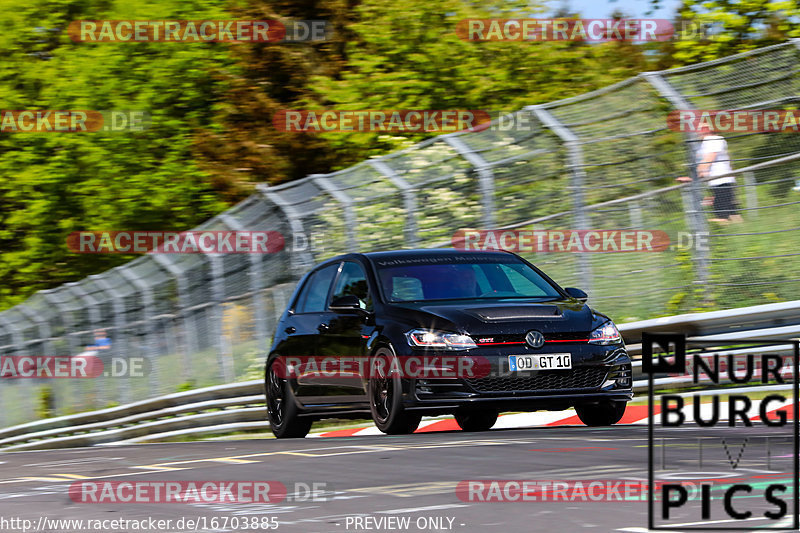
714 165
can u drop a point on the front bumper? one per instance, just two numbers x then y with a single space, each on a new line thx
599 373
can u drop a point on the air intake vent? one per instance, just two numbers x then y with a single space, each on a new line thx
544 380
490 314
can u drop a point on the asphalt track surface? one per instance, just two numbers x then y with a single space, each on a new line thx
414 477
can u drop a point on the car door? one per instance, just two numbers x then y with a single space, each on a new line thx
344 339
302 329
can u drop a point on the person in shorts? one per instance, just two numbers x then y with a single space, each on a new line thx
714 166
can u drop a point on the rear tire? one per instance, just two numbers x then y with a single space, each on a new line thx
385 392
601 414
476 420
282 412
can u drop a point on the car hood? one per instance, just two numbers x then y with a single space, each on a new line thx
500 317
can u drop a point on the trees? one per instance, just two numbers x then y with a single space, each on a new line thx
55 183
407 56
710 29
210 137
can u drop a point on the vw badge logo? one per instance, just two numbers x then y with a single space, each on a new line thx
535 339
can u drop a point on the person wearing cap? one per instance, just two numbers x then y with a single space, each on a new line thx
714 165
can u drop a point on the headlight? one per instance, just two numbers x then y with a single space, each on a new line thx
605 334
437 339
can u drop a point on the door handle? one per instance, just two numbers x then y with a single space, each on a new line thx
323 327
290 329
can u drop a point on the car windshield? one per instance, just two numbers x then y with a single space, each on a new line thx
405 280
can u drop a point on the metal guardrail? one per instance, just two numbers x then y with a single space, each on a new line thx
776 320
204 319
202 408
239 406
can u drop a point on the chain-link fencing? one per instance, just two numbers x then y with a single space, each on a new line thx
604 160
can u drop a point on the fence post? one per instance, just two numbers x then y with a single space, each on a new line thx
120 344
485 176
183 304
217 298
147 303
300 260
256 275
50 296
751 193
695 216
635 212
409 199
577 179
346 202
17 347
94 319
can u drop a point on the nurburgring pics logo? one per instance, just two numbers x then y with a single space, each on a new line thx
738 424
735 120
562 240
174 242
561 29
397 120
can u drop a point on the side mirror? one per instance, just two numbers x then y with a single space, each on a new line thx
348 305
577 294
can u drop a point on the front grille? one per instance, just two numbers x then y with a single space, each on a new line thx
544 380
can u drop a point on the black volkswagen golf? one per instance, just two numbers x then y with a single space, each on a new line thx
398 335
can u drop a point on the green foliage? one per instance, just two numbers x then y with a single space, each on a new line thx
54 183
45 408
210 135
710 29
406 55
186 386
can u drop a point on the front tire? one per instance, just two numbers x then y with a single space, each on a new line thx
385 392
282 412
601 414
476 420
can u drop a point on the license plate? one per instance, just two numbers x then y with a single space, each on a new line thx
549 361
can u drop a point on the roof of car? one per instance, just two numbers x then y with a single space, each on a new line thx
390 255
430 252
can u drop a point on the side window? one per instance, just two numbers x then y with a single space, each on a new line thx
315 292
353 281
